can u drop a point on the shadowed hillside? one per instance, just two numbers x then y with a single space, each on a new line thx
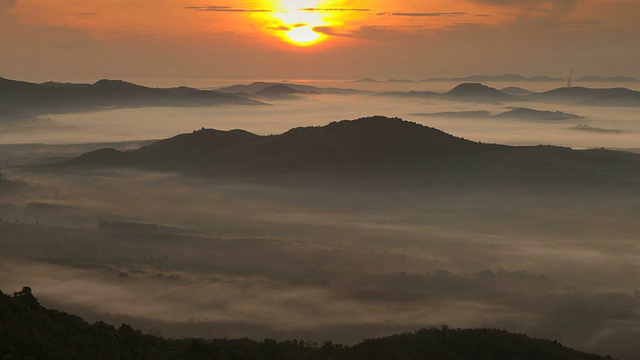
375 145
474 92
259 86
20 99
30 331
589 96
531 114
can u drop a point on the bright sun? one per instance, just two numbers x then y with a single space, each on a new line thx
295 21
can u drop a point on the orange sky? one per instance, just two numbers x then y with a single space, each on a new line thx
315 38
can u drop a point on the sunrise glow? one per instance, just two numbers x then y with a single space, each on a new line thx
295 21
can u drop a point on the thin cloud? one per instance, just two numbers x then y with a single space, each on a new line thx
423 14
335 9
225 9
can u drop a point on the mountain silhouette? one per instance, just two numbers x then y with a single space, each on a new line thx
515 113
470 114
592 78
531 114
278 91
499 78
375 146
516 91
258 86
343 146
478 91
474 78
20 99
589 96
474 92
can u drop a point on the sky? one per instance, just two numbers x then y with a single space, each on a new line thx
79 40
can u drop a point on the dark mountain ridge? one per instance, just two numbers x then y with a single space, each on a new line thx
30 331
589 96
477 92
531 114
19 99
474 92
344 146
476 78
256 87
373 146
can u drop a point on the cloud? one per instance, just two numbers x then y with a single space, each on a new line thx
560 3
335 9
370 32
6 6
424 14
225 9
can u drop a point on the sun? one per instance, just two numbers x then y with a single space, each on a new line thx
297 21
303 36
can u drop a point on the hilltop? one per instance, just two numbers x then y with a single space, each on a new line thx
375 146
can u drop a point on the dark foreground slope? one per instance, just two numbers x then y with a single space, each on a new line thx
20 99
30 331
375 146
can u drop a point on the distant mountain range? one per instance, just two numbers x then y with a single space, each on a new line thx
508 78
258 87
463 92
589 96
375 146
531 114
20 99
476 92
515 113
31 331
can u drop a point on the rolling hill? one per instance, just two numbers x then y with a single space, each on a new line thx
589 96
374 146
256 87
474 92
20 99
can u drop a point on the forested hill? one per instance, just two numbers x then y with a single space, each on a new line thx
30 331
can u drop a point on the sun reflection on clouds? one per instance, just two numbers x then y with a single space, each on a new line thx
294 20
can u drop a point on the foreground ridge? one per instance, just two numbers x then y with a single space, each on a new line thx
28 330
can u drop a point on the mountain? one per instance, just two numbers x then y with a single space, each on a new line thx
376 146
589 96
516 91
344 146
477 91
474 78
588 128
278 91
474 92
30 331
20 99
515 113
471 114
367 80
592 78
499 78
531 114
256 87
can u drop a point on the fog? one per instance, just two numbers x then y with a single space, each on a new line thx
340 258
314 110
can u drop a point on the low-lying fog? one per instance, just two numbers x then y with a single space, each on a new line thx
614 127
319 259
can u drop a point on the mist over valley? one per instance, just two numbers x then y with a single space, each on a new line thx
310 218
